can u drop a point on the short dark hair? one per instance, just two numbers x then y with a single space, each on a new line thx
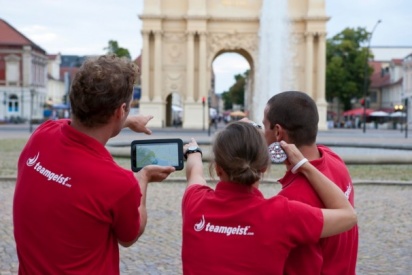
297 113
241 151
100 86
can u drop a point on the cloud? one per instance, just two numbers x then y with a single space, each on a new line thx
395 26
41 35
230 62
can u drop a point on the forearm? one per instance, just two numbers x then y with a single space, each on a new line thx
143 219
143 182
194 169
340 215
330 194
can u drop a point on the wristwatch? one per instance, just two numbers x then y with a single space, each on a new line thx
255 124
191 150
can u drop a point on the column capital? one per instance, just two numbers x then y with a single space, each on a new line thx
309 34
190 33
158 32
202 33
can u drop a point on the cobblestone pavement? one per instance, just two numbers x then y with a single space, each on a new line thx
384 213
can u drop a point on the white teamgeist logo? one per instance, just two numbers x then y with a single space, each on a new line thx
220 229
348 191
200 225
51 176
32 161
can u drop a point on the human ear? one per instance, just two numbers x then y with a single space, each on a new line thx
279 132
218 170
121 110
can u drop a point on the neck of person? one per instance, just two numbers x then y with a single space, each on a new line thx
225 178
100 133
310 152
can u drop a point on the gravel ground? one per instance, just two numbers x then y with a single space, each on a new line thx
384 213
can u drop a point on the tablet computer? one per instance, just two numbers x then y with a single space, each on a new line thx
164 152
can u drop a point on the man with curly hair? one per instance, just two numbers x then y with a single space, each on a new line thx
73 204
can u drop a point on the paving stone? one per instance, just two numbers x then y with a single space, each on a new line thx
384 214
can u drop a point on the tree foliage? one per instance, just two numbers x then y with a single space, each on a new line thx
236 93
346 58
113 48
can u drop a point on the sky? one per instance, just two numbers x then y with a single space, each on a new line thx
82 27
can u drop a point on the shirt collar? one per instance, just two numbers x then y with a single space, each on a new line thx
84 140
237 188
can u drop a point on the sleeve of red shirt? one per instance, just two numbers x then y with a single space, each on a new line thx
126 217
192 194
306 223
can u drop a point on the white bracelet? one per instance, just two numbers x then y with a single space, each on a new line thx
298 165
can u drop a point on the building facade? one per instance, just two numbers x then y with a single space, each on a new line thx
55 85
23 76
181 39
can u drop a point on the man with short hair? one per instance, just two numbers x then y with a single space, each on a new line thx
292 116
73 204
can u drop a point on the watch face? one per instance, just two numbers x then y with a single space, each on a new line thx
191 148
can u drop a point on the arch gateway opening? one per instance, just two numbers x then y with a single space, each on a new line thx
182 38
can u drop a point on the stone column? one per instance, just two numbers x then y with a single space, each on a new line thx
27 67
158 77
321 77
203 91
319 93
309 64
190 68
145 70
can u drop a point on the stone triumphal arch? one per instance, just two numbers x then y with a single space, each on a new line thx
182 38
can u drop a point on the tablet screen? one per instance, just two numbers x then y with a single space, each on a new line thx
157 152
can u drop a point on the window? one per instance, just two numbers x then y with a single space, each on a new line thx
12 70
13 104
373 97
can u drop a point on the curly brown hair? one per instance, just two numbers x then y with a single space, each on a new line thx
100 86
241 151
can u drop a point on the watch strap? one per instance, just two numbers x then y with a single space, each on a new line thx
191 151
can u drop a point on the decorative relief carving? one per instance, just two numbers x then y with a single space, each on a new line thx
297 38
174 37
174 43
175 53
173 81
232 41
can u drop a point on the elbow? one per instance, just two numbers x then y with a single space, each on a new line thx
354 219
128 244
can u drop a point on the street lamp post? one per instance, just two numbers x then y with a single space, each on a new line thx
365 80
204 103
400 108
406 117
31 110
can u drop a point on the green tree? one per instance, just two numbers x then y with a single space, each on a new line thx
227 101
113 48
346 57
236 93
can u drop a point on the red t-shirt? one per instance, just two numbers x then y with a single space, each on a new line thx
334 255
72 204
235 230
